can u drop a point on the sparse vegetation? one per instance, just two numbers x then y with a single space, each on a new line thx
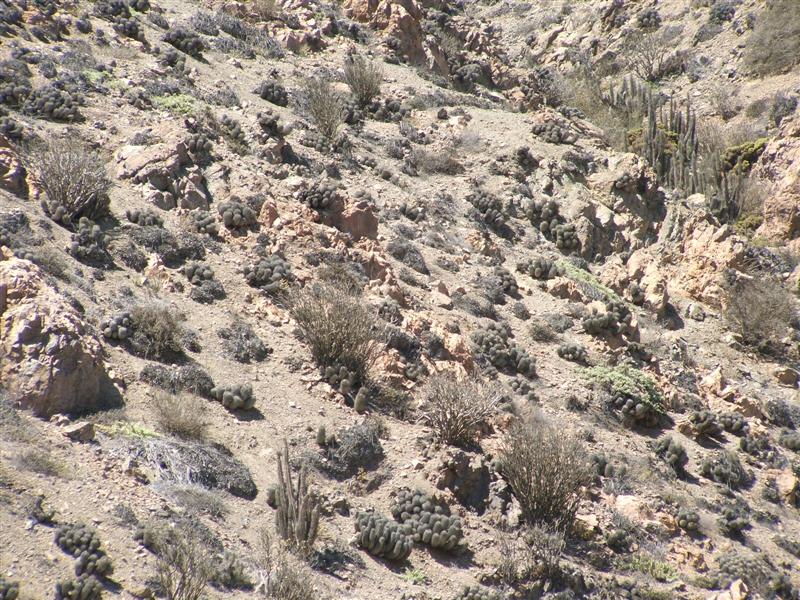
455 410
182 415
184 564
760 310
363 77
774 44
545 468
157 332
324 106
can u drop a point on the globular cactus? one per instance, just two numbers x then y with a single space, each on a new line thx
360 401
51 102
790 440
77 538
119 327
381 537
9 590
566 238
93 563
204 222
476 592
272 91
197 273
704 423
198 145
185 41
688 520
234 397
494 343
507 280
732 521
603 467
388 110
144 217
725 468
636 294
232 129
523 388
88 243
490 209
270 273
340 378
649 19
428 521
322 438
555 132
673 453
540 268
573 352
129 27
270 125
85 587
236 215
734 423
321 196
615 320
297 509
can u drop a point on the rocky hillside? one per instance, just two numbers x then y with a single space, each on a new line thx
399 300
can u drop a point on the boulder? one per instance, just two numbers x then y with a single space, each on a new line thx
359 220
464 474
51 362
13 177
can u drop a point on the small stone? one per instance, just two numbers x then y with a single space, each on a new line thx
83 431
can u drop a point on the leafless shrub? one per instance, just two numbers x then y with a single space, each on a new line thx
282 576
441 162
157 332
73 179
724 102
363 77
545 545
38 461
181 416
774 45
651 56
337 326
184 564
264 10
759 309
323 105
455 409
545 468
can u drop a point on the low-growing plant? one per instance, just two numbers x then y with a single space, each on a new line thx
282 576
363 77
774 44
157 332
545 468
455 409
73 179
181 415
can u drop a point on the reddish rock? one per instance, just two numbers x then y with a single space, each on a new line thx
359 220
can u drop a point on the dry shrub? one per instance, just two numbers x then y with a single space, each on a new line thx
456 409
535 554
545 468
774 45
439 162
760 310
184 564
282 576
363 77
323 105
73 179
264 10
157 332
181 416
38 461
337 326
651 56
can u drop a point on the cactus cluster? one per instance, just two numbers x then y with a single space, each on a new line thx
197 272
477 592
232 130
544 216
673 453
270 273
10 128
635 294
382 537
573 352
722 11
88 243
704 423
9 590
84 587
790 440
144 217
733 520
495 344
616 320
427 521
118 327
688 520
234 397
129 27
320 196
467 76
186 41
734 423
204 222
523 388
297 509
413 212
173 59
198 145
13 88
340 378
490 208
353 113
725 468
83 543
111 9
555 132
270 125
507 281
272 91
237 215
733 565
389 110
540 268
53 102
649 19
603 467
566 237
626 183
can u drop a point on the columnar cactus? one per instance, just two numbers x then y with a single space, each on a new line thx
297 514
